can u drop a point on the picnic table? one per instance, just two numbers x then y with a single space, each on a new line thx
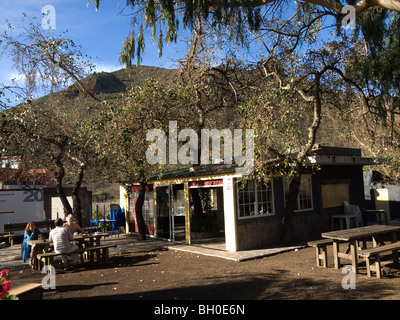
354 236
91 240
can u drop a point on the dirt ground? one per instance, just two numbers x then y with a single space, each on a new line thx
175 275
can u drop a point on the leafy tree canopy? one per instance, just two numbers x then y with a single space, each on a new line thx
237 16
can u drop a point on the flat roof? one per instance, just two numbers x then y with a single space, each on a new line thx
201 170
323 155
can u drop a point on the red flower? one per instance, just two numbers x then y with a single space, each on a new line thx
6 285
5 288
4 275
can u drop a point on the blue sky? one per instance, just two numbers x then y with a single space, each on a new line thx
100 33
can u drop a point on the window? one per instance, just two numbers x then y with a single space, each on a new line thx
255 198
304 199
147 209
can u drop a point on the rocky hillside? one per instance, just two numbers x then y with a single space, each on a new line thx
108 84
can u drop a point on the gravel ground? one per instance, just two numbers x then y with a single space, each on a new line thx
157 274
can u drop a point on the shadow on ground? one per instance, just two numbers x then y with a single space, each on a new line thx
263 287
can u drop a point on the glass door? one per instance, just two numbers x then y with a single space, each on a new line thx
165 226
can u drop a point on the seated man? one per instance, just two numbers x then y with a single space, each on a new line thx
62 239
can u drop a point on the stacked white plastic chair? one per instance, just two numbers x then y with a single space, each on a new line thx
353 209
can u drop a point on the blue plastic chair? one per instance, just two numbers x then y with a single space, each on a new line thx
117 214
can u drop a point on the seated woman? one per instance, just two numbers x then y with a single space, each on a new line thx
31 233
72 225
74 228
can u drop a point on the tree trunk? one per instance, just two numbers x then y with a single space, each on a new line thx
139 211
59 186
198 208
76 201
287 218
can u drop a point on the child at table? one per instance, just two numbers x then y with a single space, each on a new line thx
30 233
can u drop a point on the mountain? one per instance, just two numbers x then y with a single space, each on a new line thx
107 85
97 83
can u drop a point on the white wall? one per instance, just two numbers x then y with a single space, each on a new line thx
18 206
57 209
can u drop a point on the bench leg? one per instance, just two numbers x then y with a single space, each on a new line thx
322 256
395 255
378 266
368 264
105 255
51 261
98 257
48 261
317 255
354 256
336 254
91 256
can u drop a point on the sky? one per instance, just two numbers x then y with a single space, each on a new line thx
100 33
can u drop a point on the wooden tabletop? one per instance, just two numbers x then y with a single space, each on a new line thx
358 233
91 235
47 242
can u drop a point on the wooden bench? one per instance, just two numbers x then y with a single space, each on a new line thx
11 227
322 254
101 254
101 251
373 255
27 291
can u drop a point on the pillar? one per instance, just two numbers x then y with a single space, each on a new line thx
230 215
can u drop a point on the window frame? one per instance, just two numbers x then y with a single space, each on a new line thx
303 177
256 202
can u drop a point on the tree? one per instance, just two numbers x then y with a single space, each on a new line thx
47 132
48 136
372 66
122 143
299 72
46 61
175 16
300 81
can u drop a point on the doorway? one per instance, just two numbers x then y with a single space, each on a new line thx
171 212
163 212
